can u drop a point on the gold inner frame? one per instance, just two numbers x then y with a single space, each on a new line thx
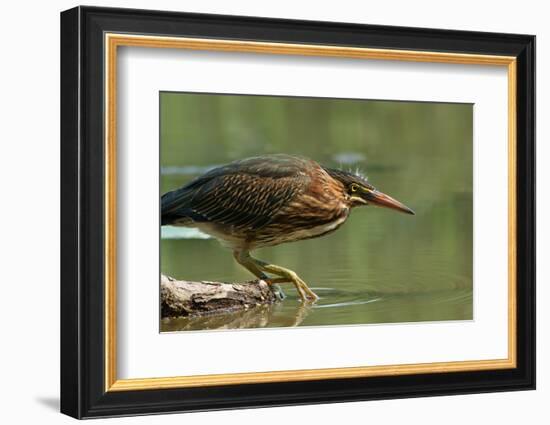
113 41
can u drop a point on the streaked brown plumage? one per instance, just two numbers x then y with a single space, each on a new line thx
268 200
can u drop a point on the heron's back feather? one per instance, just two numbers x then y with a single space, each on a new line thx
245 194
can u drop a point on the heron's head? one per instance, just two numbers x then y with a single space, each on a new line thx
360 192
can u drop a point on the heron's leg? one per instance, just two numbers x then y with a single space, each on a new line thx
245 260
287 275
279 280
305 293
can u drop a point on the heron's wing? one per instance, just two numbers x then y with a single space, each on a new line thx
246 194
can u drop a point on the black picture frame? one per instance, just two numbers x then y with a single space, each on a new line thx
83 392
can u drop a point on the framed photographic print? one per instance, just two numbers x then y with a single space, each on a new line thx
261 212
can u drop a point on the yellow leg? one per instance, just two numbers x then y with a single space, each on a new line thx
279 280
245 260
257 267
306 294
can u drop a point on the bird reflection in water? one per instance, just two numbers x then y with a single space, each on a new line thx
260 316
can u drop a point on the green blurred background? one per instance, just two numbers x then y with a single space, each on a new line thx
381 266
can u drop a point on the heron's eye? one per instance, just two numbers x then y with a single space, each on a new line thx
354 187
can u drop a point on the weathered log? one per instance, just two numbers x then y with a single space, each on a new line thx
181 298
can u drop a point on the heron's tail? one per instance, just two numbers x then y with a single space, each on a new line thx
172 206
175 208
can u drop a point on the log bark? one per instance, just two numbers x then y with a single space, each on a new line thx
181 298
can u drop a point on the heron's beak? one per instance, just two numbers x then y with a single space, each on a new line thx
382 200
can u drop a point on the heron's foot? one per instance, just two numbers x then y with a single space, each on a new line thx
276 289
259 268
288 276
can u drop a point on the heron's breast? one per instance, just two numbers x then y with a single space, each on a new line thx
297 228
318 230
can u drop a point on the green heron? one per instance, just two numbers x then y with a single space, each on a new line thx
268 200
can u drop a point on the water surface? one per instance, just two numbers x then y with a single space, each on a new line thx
381 266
